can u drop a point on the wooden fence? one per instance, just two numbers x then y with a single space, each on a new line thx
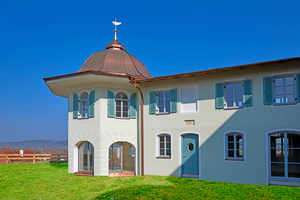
34 157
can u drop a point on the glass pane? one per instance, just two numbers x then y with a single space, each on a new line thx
162 153
161 138
279 99
229 87
231 138
294 155
162 145
289 98
277 140
167 102
293 140
289 80
167 109
239 153
169 152
161 95
229 95
294 170
278 90
230 153
277 155
279 81
168 138
191 146
230 145
161 102
238 87
229 103
124 96
239 146
118 108
161 109
289 89
167 95
118 102
118 95
168 145
118 114
125 114
277 169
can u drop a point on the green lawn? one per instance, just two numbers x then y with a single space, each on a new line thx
51 181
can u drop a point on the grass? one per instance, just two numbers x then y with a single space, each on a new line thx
52 181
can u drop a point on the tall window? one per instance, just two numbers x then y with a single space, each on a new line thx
164 145
234 146
284 89
285 155
86 157
84 105
122 105
234 94
163 102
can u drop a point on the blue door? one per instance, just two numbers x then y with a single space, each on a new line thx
190 154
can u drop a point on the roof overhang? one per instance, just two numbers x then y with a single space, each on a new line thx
61 85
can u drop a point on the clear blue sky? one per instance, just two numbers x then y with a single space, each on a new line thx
40 39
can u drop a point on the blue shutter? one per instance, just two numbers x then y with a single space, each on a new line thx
268 90
298 87
75 106
247 92
173 101
110 104
133 106
92 104
152 103
219 95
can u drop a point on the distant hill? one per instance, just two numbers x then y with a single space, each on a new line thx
36 144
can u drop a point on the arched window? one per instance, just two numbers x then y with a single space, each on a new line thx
234 146
164 145
84 105
122 105
86 157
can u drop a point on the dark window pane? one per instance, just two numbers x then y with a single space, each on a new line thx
239 153
277 155
168 145
294 155
191 147
277 140
162 145
168 152
230 153
168 138
294 170
125 114
229 87
167 109
161 138
230 145
293 140
167 95
118 96
162 153
279 81
231 138
277 169
124 96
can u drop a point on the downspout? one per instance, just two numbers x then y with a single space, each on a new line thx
142 125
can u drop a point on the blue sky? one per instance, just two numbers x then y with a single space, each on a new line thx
40 39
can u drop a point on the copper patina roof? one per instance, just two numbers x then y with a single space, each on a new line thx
115 60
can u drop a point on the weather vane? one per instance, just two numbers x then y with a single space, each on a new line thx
116 24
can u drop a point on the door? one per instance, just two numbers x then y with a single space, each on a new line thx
86 157
190 154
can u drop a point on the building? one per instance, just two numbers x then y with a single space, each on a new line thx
237 124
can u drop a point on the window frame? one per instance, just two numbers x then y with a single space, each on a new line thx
284 89
165 156
122 100
80 108
164 100
234 95
234 158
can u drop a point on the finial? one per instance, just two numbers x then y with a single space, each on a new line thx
116 24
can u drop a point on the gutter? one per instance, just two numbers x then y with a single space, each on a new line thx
142 125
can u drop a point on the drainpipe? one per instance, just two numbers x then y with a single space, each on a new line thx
142 125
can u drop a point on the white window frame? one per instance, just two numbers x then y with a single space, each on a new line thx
158 155
235 158
122 100
284 88
157 101
80 100
225 95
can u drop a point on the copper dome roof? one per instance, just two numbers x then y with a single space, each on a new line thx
115 60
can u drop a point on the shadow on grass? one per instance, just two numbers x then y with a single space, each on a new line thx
59 165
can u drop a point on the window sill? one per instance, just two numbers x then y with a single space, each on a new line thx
80 118
233 159
122 118
162 113
163 157
285 104
234 108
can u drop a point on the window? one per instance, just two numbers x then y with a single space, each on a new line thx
84 105
122 105
284 89
234 146
131 152
163 101
164 145
189 96
280 90
234 94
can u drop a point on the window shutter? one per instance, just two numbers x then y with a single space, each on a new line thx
75 106
219 95
173 101
268 90
247 92
110 104
133 106
298 87
92 104
152 103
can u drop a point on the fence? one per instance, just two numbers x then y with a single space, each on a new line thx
57 158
